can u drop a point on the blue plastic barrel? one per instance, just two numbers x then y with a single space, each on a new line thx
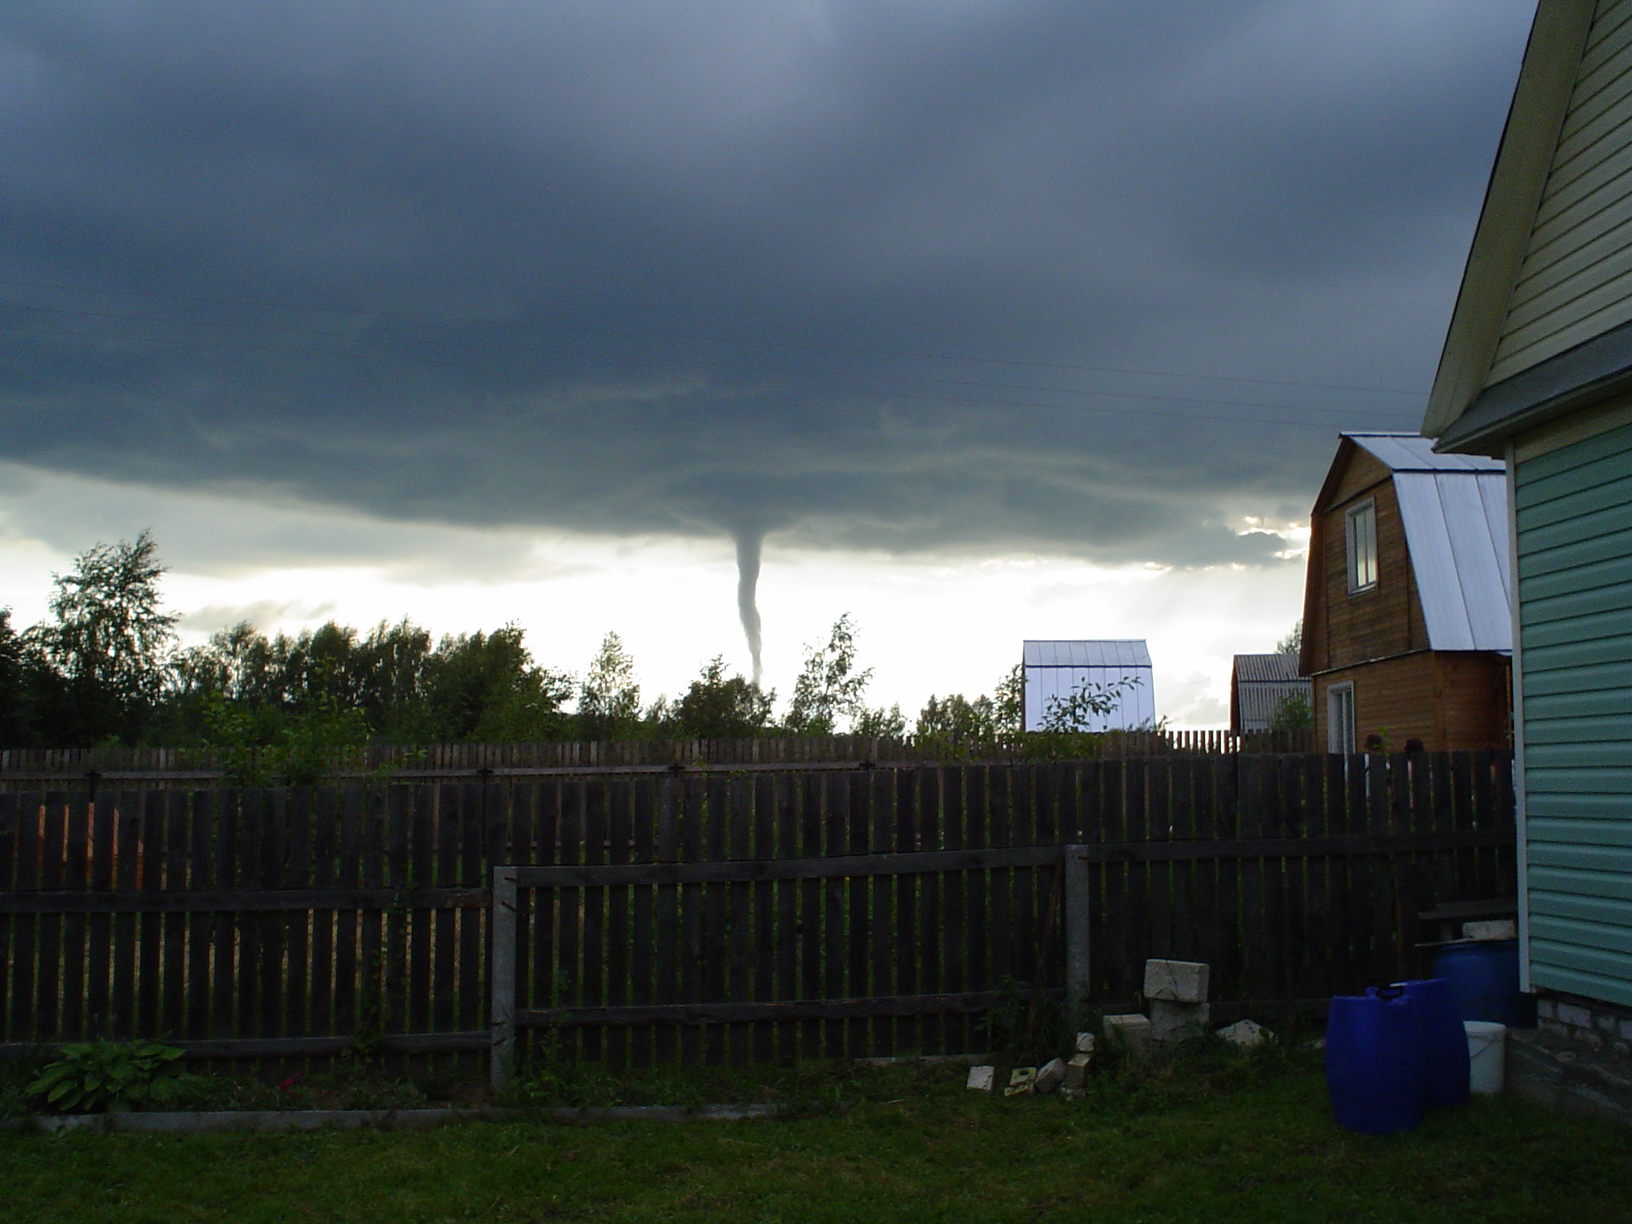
1374 1063
1442 1041
1484 981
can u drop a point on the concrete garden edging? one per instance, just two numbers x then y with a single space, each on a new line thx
268 1121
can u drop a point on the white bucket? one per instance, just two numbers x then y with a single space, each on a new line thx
1487 1052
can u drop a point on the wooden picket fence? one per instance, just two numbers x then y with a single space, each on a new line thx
727 916
191 768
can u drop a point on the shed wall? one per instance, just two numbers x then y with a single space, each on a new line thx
1573 514
1576 278
1450 700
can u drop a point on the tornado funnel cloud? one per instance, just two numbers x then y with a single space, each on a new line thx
748 549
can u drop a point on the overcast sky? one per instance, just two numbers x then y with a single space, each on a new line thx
990 318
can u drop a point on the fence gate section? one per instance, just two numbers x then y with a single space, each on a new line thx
842 957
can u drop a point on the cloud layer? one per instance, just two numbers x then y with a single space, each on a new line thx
840 273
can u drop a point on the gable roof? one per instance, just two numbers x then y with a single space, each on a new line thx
1259 683
1455 512
1266 668
1468 407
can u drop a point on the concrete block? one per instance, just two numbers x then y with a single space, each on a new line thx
1606 1023
1076 1071
981 1079
1545 1009
1493 928
1020 1081
1246 1033
1174 1022
1176 981
1130 1032
1626 1030
1050 1077
1570 1013
1085 1041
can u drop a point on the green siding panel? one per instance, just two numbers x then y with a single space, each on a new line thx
1586 909
1607 987
1612 496
1543 682
1569 554
1592 933
1572 508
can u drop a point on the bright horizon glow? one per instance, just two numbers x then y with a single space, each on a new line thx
925 625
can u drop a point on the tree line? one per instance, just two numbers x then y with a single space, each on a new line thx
106 667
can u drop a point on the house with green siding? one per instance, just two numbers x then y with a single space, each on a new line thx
1537 371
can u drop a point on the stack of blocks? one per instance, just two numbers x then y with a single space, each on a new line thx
1177 994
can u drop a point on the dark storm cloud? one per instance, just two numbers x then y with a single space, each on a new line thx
725 267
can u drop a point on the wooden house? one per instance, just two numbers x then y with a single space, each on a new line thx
1406 634
1537 370
1260 687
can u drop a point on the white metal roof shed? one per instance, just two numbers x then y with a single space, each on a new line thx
1455 512
1054 669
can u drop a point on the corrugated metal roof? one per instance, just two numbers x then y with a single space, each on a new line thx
1258 700
1409 452
1092 653
1456 530
1257 668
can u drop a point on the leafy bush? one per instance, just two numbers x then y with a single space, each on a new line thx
98 1076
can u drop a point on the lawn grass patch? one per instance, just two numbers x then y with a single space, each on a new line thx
1211 1137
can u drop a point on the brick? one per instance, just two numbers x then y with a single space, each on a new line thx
1573 1014
1545 1009
1176 981
1626 1030
981 1079
1173 1022
1020 1081
1085 1042
1606 1023
1076 1071
1553 1028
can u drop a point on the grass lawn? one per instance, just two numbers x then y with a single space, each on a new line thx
1214 1139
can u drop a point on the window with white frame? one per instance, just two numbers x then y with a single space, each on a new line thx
1340 718
1362 536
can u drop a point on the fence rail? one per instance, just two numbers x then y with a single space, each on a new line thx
722 916
190 768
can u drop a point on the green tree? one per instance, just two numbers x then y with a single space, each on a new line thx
110 642
829 687
717 706
1292 643
609 695
888 724
1291 713
1085 703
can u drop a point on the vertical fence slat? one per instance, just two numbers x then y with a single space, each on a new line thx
592 962
76 876
765 932
200 925
643 929
835 840
739 847
173 1018
619 836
